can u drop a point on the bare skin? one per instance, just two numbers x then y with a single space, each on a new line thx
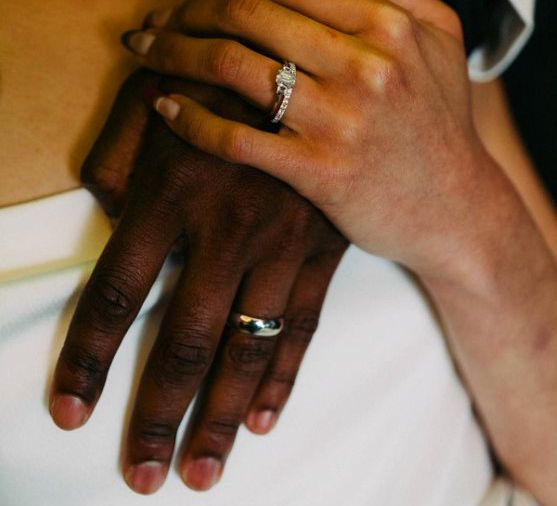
52 130
76 88
429 197
55 92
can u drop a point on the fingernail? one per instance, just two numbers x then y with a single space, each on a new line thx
158 18
261 422
202 474
138 42
167 108
68 411
147 477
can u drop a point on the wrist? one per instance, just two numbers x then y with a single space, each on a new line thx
496 295
495 251
498 305
499 312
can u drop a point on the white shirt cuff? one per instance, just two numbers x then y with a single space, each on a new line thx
487 63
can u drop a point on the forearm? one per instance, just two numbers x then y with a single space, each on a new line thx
500 315
495 125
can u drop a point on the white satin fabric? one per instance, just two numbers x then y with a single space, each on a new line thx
378 416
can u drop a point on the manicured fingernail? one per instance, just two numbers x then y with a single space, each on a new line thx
202 474
69 412
159 17
167 108
261 422
138 42
147 477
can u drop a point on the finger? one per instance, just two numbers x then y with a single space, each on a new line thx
225 63
302 316
434 12
350 17
177 364
238 368
158 18
107 307
107 168
282 32
363 16
279 155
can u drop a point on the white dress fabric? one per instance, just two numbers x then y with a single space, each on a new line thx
378 416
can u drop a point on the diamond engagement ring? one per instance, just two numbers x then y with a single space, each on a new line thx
258 327
286 80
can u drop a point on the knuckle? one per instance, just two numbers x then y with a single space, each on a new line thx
225 61
249 356
103 179
177 361
376 76
389 76
362 69
88 369
237 145
399 24
238 13
302 325
283 378
450 20
222 427
154 433
111 297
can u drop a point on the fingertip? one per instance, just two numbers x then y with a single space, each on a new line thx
68 411
261 422
146 478
202 474
138 41
158 18
168 107
126 37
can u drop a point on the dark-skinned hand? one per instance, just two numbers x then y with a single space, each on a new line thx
250 244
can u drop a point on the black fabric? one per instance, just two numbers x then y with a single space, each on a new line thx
478 19
531 84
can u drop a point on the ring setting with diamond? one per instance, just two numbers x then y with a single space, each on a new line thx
286 81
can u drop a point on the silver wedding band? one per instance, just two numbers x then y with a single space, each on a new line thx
286 81
258 327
